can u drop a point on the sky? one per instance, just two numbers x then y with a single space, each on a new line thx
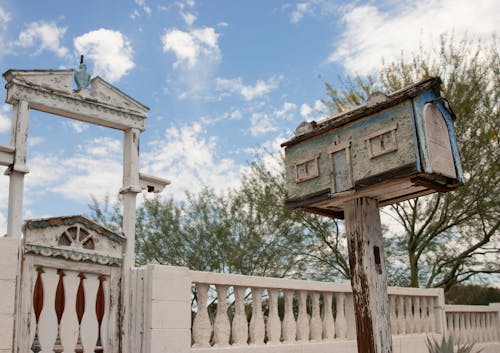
226 81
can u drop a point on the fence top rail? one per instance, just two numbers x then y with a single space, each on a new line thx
415 292
293 284
267 282
469 309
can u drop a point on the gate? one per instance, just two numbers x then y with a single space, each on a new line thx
70 287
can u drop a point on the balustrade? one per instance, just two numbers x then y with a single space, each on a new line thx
69 311
307 315
310 311
472 323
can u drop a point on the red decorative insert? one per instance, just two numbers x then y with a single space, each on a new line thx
80 310
60 303
99 310
37 307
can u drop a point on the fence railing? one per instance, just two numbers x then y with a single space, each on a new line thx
183 311
473 323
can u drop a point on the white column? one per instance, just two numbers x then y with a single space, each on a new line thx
16 172
130 189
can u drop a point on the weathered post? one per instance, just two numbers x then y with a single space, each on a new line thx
390 149
368 275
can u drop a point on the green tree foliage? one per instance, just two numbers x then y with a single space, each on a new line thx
246 230
447 238
472 295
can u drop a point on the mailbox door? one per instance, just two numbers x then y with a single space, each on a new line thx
437 142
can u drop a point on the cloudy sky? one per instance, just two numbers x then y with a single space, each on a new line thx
224 79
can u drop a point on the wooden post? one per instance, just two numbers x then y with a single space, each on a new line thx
368 275
16 172
131 187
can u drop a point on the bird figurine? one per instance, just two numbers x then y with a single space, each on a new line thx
82 77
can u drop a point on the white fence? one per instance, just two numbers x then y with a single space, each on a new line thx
181 311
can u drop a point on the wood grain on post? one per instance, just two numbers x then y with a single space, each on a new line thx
368 275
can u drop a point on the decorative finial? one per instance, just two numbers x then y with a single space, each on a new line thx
82 77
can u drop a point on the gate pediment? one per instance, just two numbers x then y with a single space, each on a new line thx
73 238
51 91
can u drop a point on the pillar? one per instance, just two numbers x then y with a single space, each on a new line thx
368 275
16 172
130 189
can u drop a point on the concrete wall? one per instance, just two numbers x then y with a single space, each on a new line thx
8 273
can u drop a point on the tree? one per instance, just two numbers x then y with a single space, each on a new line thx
245 230
448 238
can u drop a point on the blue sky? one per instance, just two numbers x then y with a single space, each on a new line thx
225 80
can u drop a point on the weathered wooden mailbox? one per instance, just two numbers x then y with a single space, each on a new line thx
392 148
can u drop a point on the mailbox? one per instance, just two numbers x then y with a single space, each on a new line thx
392 148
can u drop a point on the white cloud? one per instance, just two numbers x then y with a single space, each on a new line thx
188 158
35 140
312 113
110 51
77 126
96 169
4 193
4 16
372 33
45 35
263 123
301 9
190 47
142 4
248 92
188 17
312 8
4 118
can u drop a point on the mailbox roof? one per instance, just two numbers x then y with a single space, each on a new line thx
335 121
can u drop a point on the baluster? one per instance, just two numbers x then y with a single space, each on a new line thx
202 328
316 329
494 323
59 305
465 327
89 320
273 321
100 305
257 327
222 328
328 321
456 326
472 328
392 310
401 315
340 321
80 310
410 320
418 314
449 324
462 327
239 327
432 314
424 305
69 320
480 328
37 306
475 333
289 324
302 318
